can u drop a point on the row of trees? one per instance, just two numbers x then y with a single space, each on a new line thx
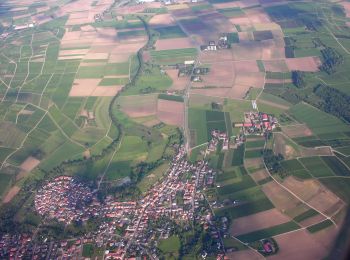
8 220
331 60
333 101
298 78
273 162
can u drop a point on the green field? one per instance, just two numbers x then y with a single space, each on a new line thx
316 166
292 165
113 81
152 81
318 121
106 70
253 153
171 97
245 182
203 122
318 227
274 99
170 247
170 32
4 152
91 251
255 144
231 12
5 182
152 177
175 56
340 186
245 209
336 165
238 156
131 34
132 149
197 123
93 136
307 214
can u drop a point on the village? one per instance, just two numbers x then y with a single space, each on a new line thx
66 200
257 123
177 198
127 226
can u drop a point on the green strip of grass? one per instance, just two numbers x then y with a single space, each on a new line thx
268 232
318 227
238 155
171 97
245 209
307 214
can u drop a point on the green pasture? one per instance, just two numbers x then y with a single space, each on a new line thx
316 166
170 247
318 121
173 56
245 209
170 32
152 177
320 226
305 215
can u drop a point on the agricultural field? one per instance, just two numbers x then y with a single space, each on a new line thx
202 122
107 91
56 93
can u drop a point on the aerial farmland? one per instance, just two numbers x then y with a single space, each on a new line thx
214 129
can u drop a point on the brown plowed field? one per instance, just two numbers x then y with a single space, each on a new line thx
29 164
303 64
170 112
220 75
278 81
179 83
261 220
297 130
315 194
162 20
175 43
251 79
89 87
139 106
275 65
246 66
214 92
281 198
259 175
298 245
244 255
10 194
238 91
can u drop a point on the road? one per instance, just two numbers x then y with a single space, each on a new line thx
186 94
295 195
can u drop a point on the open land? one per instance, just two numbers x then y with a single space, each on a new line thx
92 89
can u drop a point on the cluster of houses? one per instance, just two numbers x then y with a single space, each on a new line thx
23 26
66 200
189 70
15 246
267 247
216 137
162 200
258 123
23 247
222 43
177 197
87 116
